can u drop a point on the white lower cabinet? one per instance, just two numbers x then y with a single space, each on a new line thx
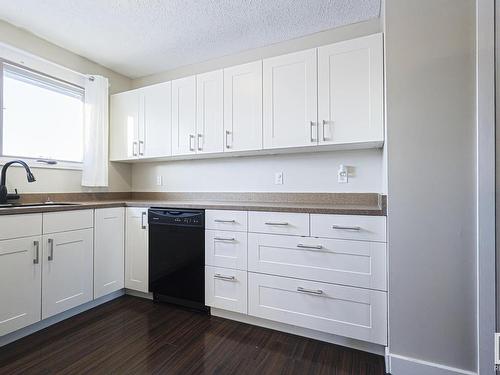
226 249
21 283
67 270
109 250
226 289
341 310
136 249
353 263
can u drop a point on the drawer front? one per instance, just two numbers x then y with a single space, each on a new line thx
226 220
296 224
68 220
15 226
349 227
226 289
226 249
353 263
340 310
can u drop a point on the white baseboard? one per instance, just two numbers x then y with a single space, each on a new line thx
299 331
401 365
23 332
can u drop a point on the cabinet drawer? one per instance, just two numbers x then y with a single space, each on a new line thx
226 220
15 226
340 310
68 220
226 289
354 263
348 227
226 249
296 224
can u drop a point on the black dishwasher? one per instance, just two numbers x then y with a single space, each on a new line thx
177 256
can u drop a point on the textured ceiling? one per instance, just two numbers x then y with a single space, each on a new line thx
142 37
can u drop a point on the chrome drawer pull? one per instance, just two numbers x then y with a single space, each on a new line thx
317 247
223 277
345 227
224 221
223 239
51 248
310 291
37 252
276 223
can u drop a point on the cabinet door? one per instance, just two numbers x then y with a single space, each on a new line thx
67 271
290 100
184 116
209 114
136 249
350 86
124 125
21 282
109 250
226 289
155 139
243 107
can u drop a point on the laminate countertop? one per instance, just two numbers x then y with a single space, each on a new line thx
364 207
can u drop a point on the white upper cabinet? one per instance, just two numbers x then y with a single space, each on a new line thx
209 113
124 126
350 87
290 100
156 121
243 107
184 116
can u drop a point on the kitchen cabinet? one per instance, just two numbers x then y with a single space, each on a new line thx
350 91
21 275
184 116
109 250
226 289
243 107
290 100
136 249
155 122
209 113
67 265
124 125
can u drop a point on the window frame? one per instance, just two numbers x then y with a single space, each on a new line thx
35 162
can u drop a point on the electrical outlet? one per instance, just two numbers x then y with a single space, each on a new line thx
159 180
278 178
343 174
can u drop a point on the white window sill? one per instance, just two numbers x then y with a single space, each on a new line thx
32 163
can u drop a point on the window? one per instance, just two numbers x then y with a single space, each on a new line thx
42 116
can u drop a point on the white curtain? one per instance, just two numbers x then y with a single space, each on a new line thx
95 156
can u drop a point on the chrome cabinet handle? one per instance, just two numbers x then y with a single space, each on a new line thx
141 149
276 223
224 277
224 221
200 142
310 291
346 227
143 215
316 247
134 148
37 252
323 130
312 125
51 249
191 138
227 142
224 239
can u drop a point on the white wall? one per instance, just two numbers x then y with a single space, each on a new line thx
431 186
307 172
313 172
57 180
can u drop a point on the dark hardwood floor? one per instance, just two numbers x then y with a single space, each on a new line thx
135 336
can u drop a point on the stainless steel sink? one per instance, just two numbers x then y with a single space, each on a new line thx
48 204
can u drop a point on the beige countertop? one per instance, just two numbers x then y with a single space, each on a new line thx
375 209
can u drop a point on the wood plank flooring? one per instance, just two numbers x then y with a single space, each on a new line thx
135 336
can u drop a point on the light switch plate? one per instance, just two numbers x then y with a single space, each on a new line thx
278 178
159 180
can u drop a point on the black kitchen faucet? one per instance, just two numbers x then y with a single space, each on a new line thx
4 196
